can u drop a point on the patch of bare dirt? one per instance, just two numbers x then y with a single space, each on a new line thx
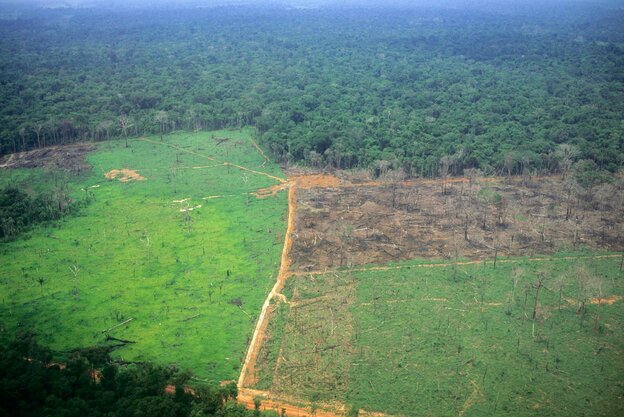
70 158
316 181
606 300
124 175
270 191
352 223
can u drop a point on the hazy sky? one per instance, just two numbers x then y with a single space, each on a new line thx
443 3
494 5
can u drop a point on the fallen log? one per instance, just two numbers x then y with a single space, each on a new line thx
117 325
190 318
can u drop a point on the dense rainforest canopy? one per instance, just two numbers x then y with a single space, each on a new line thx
335 87
89 383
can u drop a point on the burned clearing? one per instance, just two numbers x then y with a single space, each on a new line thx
71 158
343 223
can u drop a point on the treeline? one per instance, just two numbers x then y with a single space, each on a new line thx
20 211
91 384
337 88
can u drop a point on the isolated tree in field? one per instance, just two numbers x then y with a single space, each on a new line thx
566 155
125 123
588 286
41 281
161 118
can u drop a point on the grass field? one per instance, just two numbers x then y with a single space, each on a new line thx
190 271
454 339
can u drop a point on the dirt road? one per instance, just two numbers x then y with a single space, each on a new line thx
242 168
247 377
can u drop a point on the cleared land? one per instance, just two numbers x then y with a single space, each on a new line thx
452 340
342 222
155 246
427 331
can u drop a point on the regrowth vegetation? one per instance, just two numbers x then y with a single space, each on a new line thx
169 262
526 337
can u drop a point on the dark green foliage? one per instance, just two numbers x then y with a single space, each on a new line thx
31 384
342 88
19 211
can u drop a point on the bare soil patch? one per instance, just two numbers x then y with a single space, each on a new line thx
124 175
70 158
341 223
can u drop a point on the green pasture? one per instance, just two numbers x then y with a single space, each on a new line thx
456 339
191 281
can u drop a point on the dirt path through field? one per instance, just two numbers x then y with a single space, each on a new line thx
261 152
445 264
247 376
293 406
242 168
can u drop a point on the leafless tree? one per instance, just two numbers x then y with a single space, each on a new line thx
125 123
566 154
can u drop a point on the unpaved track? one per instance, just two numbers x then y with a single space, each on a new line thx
247 376
261 152
242 168
294 407
445 264
269 402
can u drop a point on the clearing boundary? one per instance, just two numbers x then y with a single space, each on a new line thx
292 406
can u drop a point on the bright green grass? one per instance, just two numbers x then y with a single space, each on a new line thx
431 355
137 256
450 340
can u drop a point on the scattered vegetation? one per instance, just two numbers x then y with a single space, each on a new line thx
527 337
155 263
